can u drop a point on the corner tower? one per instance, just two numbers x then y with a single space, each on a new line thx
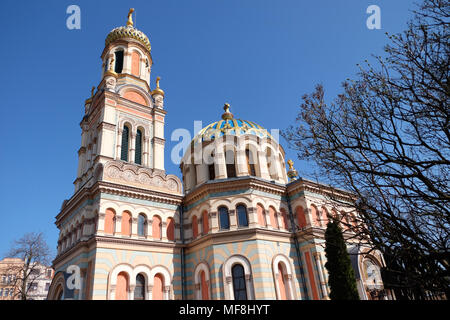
121 226
124 118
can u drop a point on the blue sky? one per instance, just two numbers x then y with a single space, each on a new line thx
260 56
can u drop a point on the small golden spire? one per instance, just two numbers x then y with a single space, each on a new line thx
292 173
227 115
290 164
158 90
130 18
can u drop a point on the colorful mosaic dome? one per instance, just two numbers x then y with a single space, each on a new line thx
230 126
128 32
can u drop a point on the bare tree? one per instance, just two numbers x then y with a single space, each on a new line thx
34 253
386 138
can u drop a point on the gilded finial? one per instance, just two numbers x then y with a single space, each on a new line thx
92 92
292 173
130 17
227 115
158 90
290 164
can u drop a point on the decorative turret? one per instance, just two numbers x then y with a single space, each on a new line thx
127 52
158 95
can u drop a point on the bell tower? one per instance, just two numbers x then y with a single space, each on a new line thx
124 118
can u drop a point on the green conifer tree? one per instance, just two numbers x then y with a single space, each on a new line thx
341 277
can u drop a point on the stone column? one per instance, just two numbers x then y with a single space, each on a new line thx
262 161
134 226
118 225
163 230
145 153
241 164
214 222
119 143
132 147
166 293
233 219
101 223
220 166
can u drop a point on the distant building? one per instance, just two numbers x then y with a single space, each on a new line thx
39 280
8 278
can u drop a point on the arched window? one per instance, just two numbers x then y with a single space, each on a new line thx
273 218
194 227
139 290
170 229
156 228
119 61
122 286
239 287
158 286
126 224
224 218
282 283
250 162
260 213
125 139
315 216
204 286
138 148
230 163
142 225
110 218
205 222
301 219
242 215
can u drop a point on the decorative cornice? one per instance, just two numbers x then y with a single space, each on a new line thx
216 186
156 140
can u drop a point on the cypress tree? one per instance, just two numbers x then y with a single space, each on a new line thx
341 277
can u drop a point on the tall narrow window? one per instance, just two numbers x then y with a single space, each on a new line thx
125 136
158 283
119 61
170 229
250 162
138 152
139 290
142 224
230 163
194 227
239 288
156 228
126 224
242 216
212 173
224 218
122 286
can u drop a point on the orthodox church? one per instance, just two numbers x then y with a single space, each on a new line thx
239 226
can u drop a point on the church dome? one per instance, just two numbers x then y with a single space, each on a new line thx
230 126
128 32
